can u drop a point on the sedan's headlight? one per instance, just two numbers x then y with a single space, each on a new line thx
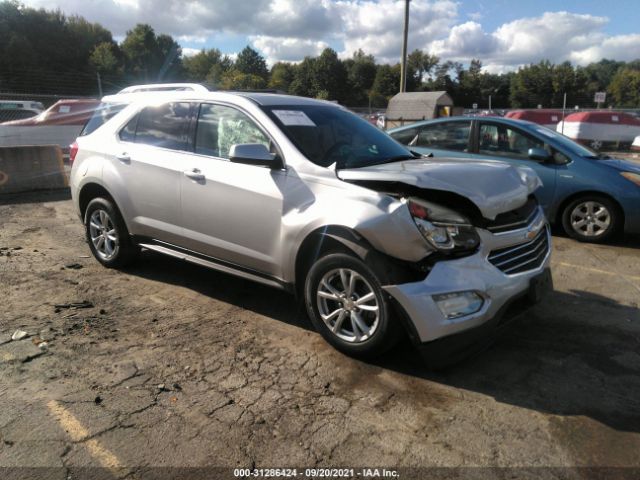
444 229
634 177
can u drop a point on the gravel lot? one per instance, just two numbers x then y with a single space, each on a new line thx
171 365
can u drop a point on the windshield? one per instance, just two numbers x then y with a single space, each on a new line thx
101 115
571 145
328 135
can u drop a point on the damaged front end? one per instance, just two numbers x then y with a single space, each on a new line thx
484 242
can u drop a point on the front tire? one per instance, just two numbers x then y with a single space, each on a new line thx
107 234
348 307
592 219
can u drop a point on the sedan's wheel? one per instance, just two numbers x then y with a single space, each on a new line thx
348 307
107 234
591 219
595 144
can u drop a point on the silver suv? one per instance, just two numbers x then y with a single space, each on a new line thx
303 195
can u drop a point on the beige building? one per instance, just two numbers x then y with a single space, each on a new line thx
409 107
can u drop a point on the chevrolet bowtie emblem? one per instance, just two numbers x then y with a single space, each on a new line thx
533 229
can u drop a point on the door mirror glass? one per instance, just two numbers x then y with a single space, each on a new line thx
539 154
253 154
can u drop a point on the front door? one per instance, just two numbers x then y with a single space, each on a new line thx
232 211
498 141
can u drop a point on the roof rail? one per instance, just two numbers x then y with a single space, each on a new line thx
165 87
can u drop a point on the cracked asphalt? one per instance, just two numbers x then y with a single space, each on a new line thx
168 364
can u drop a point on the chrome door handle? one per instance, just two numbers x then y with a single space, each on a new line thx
124 157
194 174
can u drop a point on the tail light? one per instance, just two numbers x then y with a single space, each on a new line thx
73 151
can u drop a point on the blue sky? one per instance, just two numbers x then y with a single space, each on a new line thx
504 34
624 15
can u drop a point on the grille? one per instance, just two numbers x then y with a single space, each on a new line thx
514 219
523 257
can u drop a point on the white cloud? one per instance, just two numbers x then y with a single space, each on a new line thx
290 29
376 26
190 52
287 49
556 36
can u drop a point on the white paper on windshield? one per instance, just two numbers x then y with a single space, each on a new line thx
64 109
294 118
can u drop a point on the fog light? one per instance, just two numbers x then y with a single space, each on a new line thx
459 304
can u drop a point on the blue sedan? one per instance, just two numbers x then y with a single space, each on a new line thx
591 195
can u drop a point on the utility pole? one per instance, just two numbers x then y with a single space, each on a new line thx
99 85
564 107
489 103
403 63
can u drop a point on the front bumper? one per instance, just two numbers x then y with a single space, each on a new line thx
473 273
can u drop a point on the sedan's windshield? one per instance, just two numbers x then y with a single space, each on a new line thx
328 135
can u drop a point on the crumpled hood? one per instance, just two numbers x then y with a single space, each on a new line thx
494 187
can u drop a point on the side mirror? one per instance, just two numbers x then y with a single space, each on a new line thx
539 154
254 154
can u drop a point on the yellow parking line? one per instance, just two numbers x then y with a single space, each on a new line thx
596 270
77 432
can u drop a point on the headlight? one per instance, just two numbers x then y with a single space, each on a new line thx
634 177
444 229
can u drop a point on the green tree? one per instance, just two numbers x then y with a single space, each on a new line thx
422 64
303 83
532 85
207 66
249 61
105 58
385 85
625 88
361 73
151 58
330 76
282 74
237 80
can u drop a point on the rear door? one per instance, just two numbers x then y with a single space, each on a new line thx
232 211
153 151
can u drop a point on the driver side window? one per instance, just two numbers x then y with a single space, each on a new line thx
501 140
220 127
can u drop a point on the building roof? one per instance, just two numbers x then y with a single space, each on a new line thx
417 105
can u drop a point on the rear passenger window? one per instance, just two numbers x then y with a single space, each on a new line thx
165 126
447 136
128 133
220 127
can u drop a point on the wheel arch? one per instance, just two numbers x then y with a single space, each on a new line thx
341 239
585 193
93 190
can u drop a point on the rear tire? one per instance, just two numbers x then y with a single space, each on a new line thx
347 306
107 234
591 218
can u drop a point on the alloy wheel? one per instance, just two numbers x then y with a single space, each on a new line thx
348 305
104 235
590 219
